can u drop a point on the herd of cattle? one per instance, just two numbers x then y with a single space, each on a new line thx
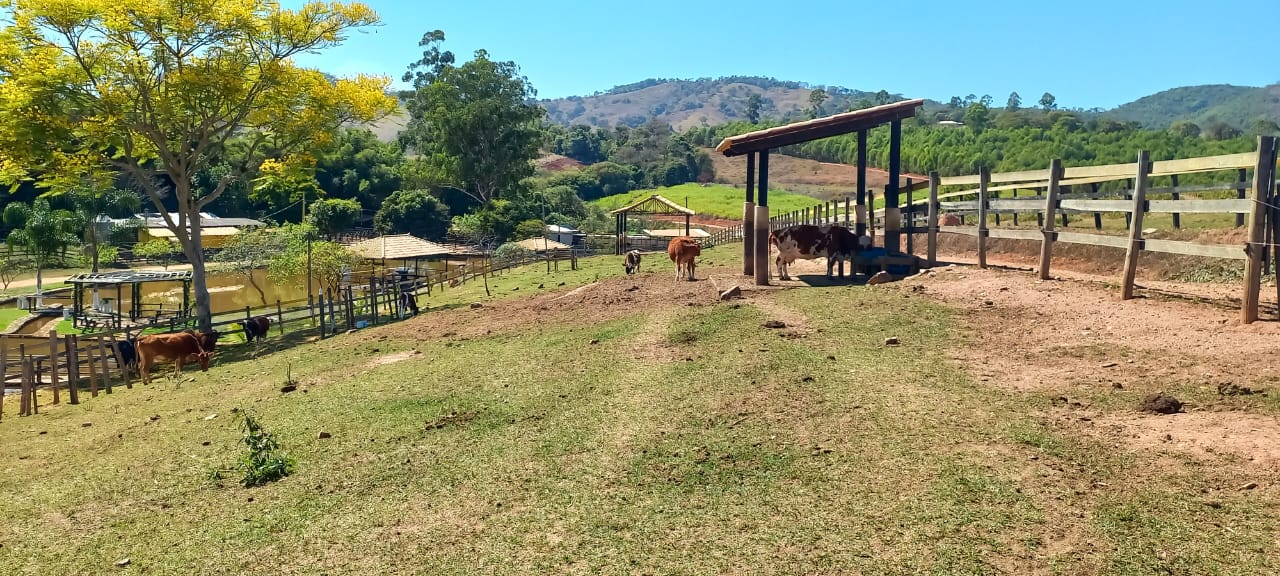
800 242
142 352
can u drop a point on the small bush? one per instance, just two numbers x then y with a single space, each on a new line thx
261 462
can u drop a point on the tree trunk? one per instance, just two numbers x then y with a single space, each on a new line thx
254 283
39 287
194 249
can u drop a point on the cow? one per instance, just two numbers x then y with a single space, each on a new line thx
684 251
949 220
806 241
180 347
128 357
632 261
256 327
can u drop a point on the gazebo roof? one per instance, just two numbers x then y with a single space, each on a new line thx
654 204
131 277
537 244
819 128
398 247
674 232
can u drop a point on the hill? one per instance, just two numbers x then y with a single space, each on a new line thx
1236 106
703 102
713 200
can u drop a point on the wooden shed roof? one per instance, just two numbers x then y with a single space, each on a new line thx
654 204
818 128
542 244
398 247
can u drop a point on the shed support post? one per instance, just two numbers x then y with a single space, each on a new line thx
762 223
749 219
860 211
892 219
933 219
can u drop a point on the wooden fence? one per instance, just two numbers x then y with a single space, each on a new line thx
69 363
1254 205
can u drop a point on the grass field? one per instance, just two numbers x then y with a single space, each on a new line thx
672 440
715 200
8 315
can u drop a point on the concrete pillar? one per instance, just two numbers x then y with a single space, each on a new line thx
748 238
762 245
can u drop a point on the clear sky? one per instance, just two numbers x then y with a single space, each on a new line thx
1087 53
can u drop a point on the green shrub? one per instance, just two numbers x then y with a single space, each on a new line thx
261 463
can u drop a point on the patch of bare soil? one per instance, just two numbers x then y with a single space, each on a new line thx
1077 338
393 358
601 301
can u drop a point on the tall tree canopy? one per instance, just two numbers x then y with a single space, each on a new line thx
153 88
475 124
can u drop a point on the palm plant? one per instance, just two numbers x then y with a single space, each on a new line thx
43 232
91 204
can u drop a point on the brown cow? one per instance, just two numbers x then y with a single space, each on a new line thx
684 251
180 347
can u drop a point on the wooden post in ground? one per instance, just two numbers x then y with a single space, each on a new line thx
1263 181
1015 214
53 366
749 218
280 316
996 194
1135 225
321 299
762 222
124 370
73 369
106 368
984 177
93 370
1050 205
933 219
911 219
1177 218
1242 178
1097 216
27 403
4 369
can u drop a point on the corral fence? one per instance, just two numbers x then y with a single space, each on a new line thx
76 363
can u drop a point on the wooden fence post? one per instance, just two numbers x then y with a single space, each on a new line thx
1135 225
1177 218
320 297
1050 205
1015 214
27 402
4 369
984 177
996 195
106 368
933 218
280 316
1263 181
93 370
53 366
73 369
1097 216
1242 178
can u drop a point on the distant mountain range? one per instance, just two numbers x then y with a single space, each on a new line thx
689 103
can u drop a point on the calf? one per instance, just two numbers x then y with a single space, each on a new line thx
179 347
806 242
256 327
684 251
632 261
128 357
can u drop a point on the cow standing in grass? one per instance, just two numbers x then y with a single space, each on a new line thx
632 261
684 252
180 347
256 327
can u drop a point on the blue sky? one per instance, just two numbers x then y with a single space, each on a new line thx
1087 53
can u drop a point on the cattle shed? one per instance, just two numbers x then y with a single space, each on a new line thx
107 313
756 146
403 248
652 205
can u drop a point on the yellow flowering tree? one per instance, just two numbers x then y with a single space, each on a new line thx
155 88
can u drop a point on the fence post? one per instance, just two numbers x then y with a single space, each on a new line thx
320 298
1263 181
997 214
933 218
1242 178
280 316
106 368
73 369
1015 214
984 177
4 368
333 317
1177 218
1135 225
53 366
1097 216
1050 205
25 404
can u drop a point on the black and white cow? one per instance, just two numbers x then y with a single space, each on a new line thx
632 261
806 242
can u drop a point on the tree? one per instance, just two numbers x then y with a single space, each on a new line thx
816 98
476 124
91 204
1014 102
986 100
281 184
955 103
977 117
157 249
970 99
530 229
11 266
360 167
334 216
414 212
883 97
42 232
249 251
753 108
157 89
1048 102
1264 127
1184 128
329 260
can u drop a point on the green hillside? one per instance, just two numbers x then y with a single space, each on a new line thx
1236 106
714 200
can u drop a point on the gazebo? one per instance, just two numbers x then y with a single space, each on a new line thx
653 205
402 247
756 145
114 314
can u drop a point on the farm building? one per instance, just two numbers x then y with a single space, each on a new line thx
542 245
566 235
214 231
